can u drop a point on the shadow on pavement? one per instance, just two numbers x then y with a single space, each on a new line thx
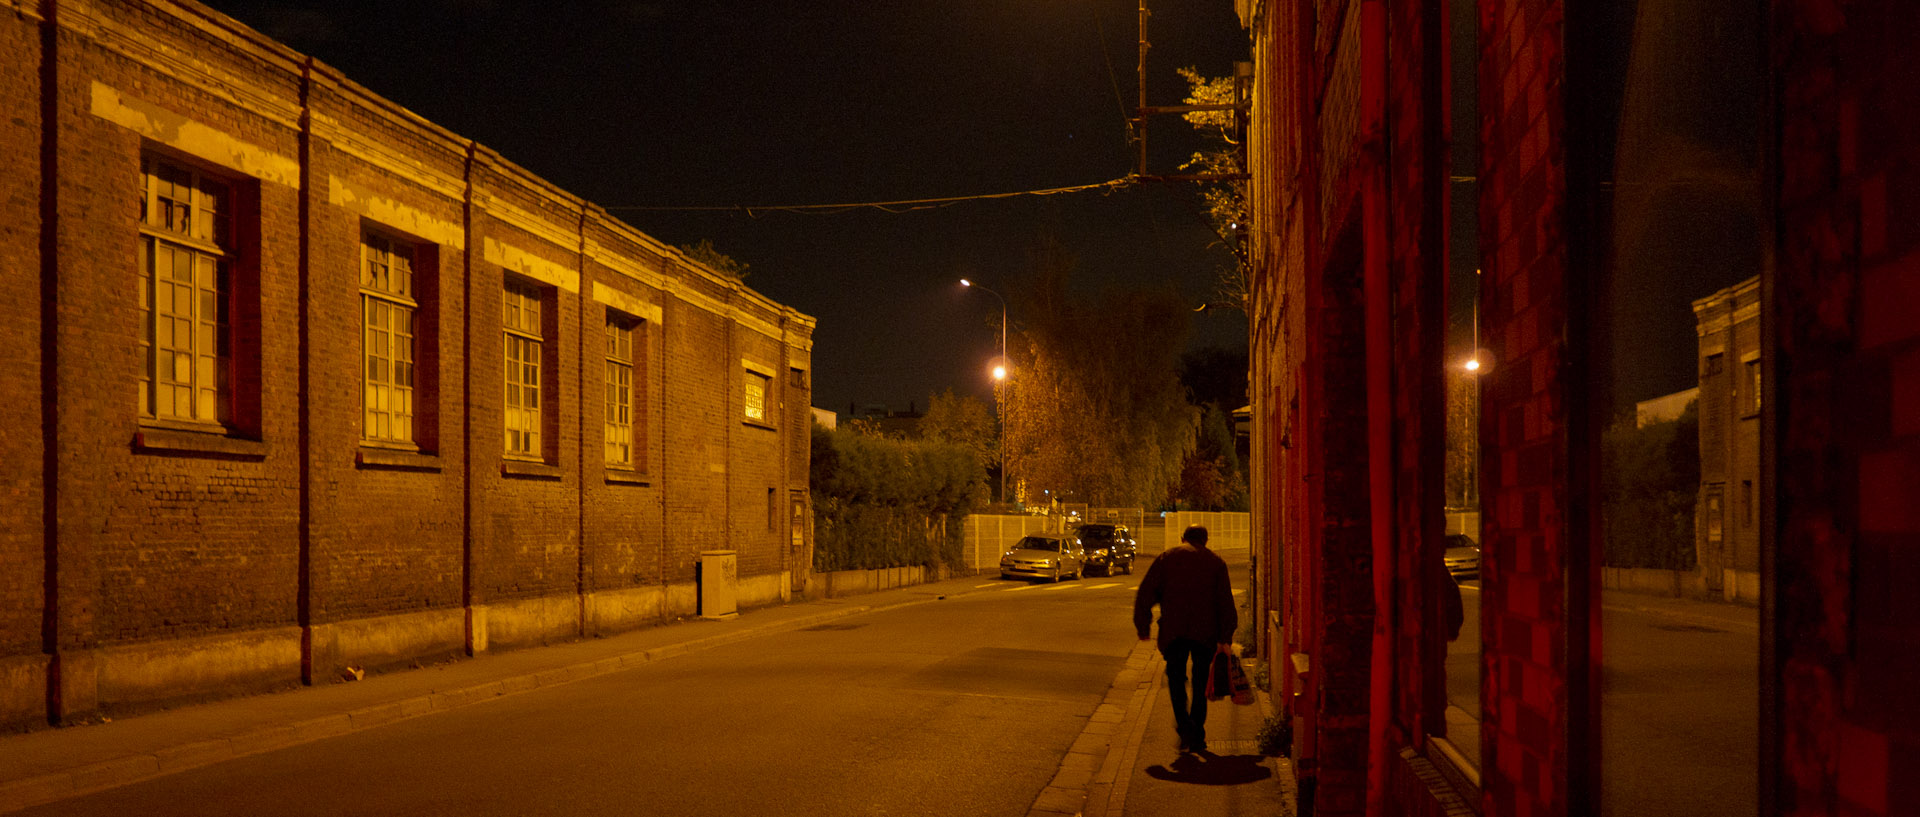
1209 769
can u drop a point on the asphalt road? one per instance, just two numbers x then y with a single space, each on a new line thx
1679 707
962 706
1679 703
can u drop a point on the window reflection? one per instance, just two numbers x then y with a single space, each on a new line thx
1679 455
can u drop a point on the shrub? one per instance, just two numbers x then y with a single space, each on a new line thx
884 502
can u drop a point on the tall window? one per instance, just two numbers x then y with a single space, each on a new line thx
756 391
619 390
184 248
524 348
1752 385
387 308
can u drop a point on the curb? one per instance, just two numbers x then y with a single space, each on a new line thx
41 789
1092 778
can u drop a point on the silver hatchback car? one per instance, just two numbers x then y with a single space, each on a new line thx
1044 556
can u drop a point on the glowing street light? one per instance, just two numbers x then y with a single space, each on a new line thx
1473 364
999 376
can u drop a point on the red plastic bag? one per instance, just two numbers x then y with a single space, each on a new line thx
1219 677
1237 678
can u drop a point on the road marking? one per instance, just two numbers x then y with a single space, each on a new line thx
1065 586
1021 587
1104 586
988 584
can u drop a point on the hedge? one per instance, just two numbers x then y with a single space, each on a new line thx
886 502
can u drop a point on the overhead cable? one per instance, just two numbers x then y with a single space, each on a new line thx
896 206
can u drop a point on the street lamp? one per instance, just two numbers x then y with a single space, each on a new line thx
999 376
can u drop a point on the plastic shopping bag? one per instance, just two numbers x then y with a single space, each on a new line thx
1219 677
1237 679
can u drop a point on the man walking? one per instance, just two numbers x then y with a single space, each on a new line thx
1197 620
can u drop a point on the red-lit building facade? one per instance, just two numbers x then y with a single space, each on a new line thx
1355 163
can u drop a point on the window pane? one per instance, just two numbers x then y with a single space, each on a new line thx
1683 247
756 396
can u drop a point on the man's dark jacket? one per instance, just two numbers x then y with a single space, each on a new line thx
1195 596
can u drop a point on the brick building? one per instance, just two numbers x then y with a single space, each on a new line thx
298 380
1355 159
1727 532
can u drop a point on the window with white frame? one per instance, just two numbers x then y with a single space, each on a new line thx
756 396
387 310
524 348
184 290
620 391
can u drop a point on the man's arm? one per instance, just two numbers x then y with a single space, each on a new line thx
1225 610
1146 597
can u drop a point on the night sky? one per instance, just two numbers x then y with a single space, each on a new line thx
771 102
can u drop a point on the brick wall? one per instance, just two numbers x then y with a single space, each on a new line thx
1524 413
286 544
22 546
1417 169
363 561
1848 361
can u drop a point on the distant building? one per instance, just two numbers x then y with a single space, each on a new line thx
880 417
1664 409
1728 512
825 419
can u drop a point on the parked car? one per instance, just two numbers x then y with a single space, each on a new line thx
1044 556
1109 548
1463 556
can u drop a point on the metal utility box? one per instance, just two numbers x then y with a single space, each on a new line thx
719 577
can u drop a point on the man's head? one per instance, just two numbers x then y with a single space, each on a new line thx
1195 535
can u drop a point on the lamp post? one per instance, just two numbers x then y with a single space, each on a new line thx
1000 379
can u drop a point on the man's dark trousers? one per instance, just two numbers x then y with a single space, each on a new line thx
1187 658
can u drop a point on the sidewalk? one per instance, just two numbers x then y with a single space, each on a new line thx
1126 762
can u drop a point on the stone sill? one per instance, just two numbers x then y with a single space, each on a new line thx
395 459
152 439
619 476
529 470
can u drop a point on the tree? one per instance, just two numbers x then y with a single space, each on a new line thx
716 260
1095 410
1226 201
1462 467
1651 476
1212 478
963 420
1215 375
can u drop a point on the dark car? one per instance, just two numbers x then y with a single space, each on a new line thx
1463 556
1110 548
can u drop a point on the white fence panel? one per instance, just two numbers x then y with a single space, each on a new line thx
990 534
1225 530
